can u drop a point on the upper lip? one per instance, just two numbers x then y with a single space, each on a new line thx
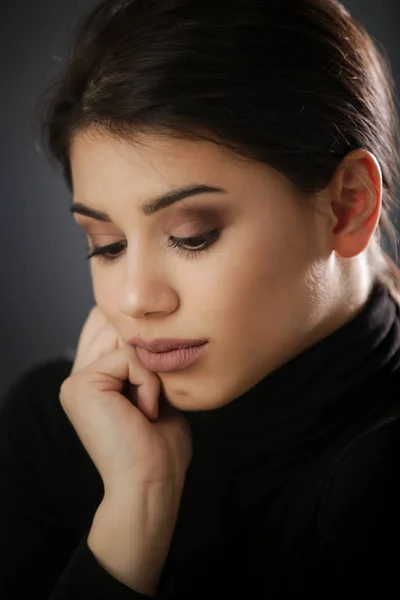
165 344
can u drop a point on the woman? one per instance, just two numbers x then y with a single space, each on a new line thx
233 166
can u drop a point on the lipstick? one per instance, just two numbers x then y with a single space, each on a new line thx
162 355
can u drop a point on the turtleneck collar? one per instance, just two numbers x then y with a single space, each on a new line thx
309 398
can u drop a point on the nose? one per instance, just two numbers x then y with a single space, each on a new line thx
145 291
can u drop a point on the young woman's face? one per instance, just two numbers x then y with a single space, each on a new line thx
255 288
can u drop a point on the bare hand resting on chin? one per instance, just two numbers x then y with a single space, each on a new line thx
142 458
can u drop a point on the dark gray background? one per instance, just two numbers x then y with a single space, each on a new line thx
45 284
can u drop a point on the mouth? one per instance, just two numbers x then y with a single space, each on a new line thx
171 360
161 345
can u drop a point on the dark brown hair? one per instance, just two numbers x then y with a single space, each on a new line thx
296 85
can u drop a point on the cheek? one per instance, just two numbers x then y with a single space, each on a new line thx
249 270
257 289
105 289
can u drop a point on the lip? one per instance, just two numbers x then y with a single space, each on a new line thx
174 360
165 344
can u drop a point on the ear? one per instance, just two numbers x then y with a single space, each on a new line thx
355 193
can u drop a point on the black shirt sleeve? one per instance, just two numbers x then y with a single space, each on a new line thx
43 531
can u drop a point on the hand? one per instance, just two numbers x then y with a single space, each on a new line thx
141 457
128 444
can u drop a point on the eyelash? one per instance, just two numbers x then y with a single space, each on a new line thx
101 252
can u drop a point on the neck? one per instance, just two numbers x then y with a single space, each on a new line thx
334 304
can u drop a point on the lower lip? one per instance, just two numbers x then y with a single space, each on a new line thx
174 360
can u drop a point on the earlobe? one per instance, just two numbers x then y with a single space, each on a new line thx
358 202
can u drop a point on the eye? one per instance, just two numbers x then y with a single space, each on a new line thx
107 253
196 245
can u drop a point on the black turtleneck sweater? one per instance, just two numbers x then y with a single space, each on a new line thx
294 487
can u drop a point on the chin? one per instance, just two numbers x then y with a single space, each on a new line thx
185 401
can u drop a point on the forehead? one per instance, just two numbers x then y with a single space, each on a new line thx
149 155
153 164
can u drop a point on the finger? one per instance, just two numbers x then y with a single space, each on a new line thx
140 400
120 342
94 321
110 372
104 340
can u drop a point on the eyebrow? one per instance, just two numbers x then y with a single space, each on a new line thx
149 208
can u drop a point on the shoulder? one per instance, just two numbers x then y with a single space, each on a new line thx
358 512
34 428
32 420
367 469
40 451
33 396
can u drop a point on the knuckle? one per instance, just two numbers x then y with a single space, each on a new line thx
64 392
95 310
70 387
65 386
97 315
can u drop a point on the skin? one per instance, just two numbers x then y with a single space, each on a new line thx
279 278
